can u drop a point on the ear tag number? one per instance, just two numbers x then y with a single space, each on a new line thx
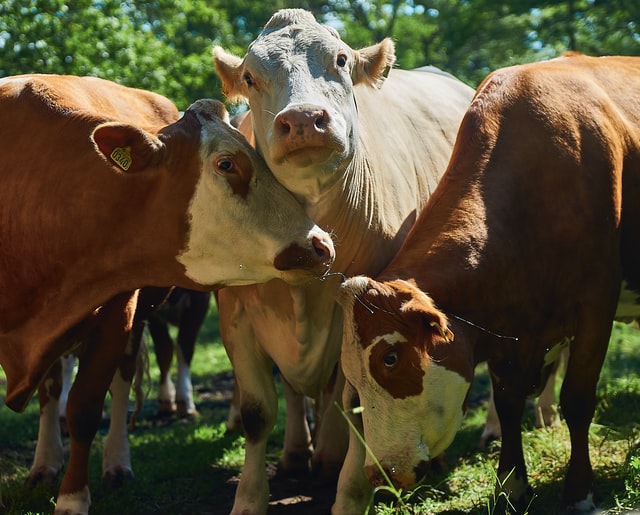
122 157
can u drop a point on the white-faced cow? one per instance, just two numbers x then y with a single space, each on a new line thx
98 197
361 146
519 253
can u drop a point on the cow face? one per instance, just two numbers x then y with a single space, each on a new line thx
409 372
241 225
299 78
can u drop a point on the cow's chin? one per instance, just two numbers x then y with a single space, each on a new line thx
305 157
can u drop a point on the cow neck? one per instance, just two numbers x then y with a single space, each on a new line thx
444 253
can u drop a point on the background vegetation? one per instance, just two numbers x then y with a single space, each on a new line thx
165 45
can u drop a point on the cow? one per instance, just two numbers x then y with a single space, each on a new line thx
361 146
520 253
94 206
186 310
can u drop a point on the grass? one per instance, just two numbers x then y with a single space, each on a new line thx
190 467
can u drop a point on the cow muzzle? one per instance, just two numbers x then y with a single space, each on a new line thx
399 478
316 257
303 132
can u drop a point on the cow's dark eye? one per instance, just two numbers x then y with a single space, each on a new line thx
390 359
248 79
341 60
225 164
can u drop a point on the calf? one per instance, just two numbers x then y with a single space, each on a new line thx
98 198
520 253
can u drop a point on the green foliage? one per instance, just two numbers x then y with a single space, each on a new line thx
160 46
165 46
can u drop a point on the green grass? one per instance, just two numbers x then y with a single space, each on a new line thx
190 467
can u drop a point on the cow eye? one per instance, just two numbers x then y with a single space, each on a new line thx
390 359
341 60
225 164
248 79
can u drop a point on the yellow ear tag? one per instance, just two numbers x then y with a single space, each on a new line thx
122 157
447 335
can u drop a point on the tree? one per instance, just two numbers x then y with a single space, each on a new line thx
163 46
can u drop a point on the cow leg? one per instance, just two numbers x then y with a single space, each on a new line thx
331 435
578 401
513 487
97 364
234 420
116 454
163 347
491 429
354 490
68 366
546 414
49 455
545 410
296 457
190 323
258 409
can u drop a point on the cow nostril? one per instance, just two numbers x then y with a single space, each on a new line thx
284 126
325 252
322 119
376 477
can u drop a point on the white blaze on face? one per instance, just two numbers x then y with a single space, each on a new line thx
238 225
403 432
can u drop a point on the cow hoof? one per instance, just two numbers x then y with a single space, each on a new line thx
43 476
166 408
294 464
186 410
116 478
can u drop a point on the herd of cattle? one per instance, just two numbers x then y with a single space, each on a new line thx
498 225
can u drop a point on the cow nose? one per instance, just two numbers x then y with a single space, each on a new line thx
318 257
301 121
324 250
375 475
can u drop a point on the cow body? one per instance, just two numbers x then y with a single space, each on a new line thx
519 254
361 153
101 194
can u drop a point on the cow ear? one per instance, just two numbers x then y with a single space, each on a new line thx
126 147
229 68
373 63
432 318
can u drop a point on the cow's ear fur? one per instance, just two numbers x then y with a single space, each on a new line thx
432 319
125 147
229 68
373 63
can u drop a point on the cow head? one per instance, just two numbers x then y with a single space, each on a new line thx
299 79
241 226
411 374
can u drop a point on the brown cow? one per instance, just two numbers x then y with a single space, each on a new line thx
361 146
519 253
94 206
